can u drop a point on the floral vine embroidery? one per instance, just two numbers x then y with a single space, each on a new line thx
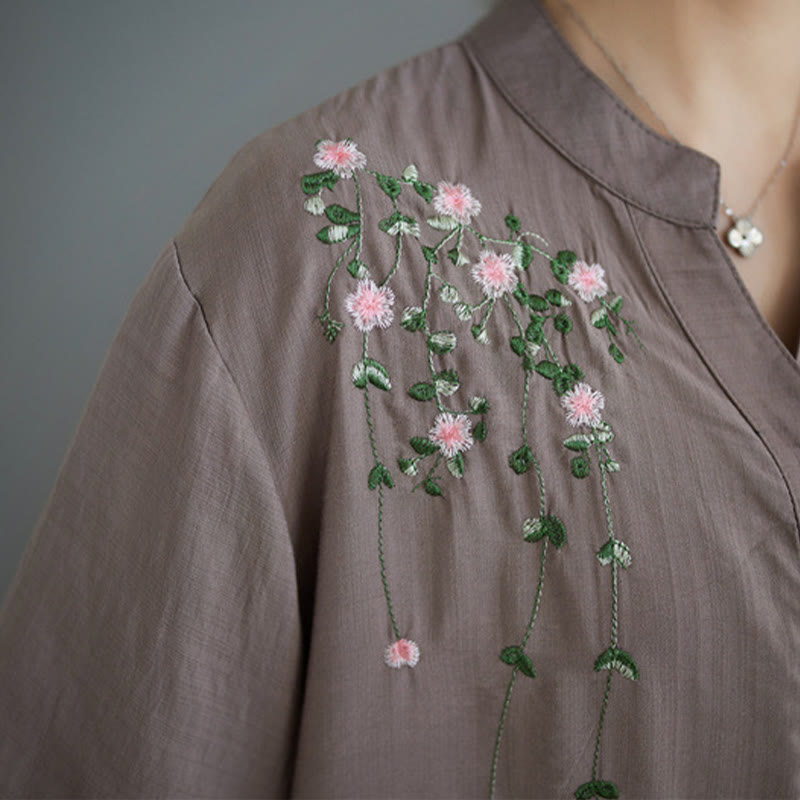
498 276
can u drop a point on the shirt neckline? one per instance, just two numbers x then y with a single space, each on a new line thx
543 77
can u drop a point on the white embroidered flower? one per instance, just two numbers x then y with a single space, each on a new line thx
342 157
583 405
495 273
370 305
588 280
456 200
451 433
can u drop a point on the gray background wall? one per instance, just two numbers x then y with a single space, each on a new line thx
115 117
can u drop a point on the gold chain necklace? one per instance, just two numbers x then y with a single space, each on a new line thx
743 235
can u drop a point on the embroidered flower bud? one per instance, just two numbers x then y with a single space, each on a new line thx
342 157
456 200
370 305
588 280
314 205
402 653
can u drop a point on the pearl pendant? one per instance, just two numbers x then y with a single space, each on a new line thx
744 237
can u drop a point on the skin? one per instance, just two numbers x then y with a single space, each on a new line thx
725 75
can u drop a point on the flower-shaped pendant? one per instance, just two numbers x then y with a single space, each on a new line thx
744 237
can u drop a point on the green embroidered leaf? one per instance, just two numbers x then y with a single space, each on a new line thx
618 659
377 374
446 382
413 318
562 323
441 342
579 441
533 530
521 294
432 488
463 311
603 432
548 369
358 269
453 254
430 254
534 332
443 222
423 445
574 371
537 302
555 298
479 405
562 383
560 271
398 224
408 466
554 529
313 183
520 460
456 465
479 334
579 466
360 375
330 327
513 223
339 215
479 432
335 233
375 476
422 391
449 294
618 355
389 185
517 345
616 304
615 550
522 255
611 326
424 190
526 666
604 789
566 257
516 657
387 478
598 317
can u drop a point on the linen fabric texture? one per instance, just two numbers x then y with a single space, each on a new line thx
200 611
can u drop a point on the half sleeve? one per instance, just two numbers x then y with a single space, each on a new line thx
150 642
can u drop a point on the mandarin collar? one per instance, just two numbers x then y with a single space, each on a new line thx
549 85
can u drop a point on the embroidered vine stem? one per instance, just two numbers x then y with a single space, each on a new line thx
513 678
373 446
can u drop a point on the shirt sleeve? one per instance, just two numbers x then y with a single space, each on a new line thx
151 642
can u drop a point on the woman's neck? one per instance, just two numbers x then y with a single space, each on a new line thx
706 66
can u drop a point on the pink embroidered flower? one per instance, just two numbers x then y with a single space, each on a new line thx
495 272
370 305
583 405
451 432
588 280
456 200
403 652
342 157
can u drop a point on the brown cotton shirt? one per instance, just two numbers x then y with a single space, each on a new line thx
442 453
